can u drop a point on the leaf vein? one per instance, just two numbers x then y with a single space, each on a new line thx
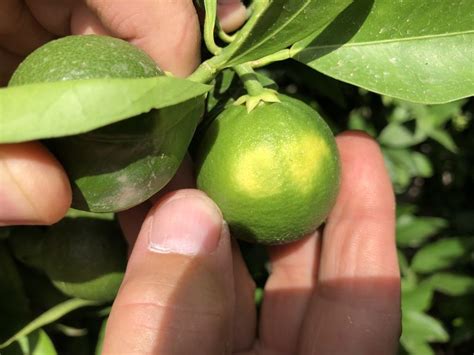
388 41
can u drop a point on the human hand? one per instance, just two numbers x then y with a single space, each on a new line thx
34 189
187 290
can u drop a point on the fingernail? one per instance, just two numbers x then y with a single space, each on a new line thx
186 224
15 207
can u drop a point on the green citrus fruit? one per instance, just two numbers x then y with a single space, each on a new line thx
274 172
119 166
83 257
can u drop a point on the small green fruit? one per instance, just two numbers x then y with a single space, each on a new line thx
274 172
83 257
119 166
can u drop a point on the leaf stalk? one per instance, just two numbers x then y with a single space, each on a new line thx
210 25
249 78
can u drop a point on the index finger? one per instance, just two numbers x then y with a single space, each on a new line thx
167 30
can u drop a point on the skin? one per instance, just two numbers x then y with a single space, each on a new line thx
187 289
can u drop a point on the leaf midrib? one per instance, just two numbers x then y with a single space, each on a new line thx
387 41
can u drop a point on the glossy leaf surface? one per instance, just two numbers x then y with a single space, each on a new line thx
64 108
420 51
281 24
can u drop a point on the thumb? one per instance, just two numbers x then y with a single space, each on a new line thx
177 294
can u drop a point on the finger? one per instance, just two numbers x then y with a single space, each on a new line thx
356 306
53 15
177 294
43 199
232 14
245 320
167 30
20 33
287 293
85 22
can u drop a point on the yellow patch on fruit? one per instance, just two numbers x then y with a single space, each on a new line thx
255 172
303 158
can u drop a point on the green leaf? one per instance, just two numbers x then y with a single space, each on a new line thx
358 122
37 343
422 164
399 114
401 158
279 24
436 116
419 327
403 165
419 51
413 231
400 175
416 348
397 136
417 297
443 254
444 139
63 108
452 284
48 317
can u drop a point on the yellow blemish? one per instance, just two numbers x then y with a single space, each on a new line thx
304 159
256 174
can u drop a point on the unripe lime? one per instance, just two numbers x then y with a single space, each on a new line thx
274 172
119 166
83 257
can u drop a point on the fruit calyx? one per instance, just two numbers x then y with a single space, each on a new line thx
252 101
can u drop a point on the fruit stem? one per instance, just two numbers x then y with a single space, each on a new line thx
275 57
249 78
225 36
207 71
209 26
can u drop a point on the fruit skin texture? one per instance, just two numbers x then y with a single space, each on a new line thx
119 166
83 257
274 172
84 57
